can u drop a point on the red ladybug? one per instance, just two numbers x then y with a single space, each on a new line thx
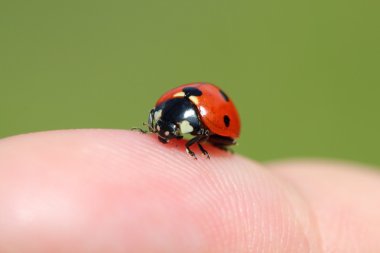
200 109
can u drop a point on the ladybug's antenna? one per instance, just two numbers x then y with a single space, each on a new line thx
139 129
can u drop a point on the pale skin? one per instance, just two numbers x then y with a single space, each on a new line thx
120 191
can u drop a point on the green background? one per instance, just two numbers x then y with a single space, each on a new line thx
305 75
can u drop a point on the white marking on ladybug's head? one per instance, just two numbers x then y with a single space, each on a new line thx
194 99
157 115
166 133
179 94
158 127
185 127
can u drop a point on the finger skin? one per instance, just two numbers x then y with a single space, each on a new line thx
345 199
120 191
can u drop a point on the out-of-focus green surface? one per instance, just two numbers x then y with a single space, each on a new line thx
305 75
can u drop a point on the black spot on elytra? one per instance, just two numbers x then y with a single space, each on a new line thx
192 91
224 95
226 120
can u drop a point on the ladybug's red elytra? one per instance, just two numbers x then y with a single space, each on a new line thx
200 109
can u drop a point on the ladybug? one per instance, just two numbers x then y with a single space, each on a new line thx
199 109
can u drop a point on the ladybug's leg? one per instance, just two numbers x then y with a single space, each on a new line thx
191 142
162 140
197 139
204 151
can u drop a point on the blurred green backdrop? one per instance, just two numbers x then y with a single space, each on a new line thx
305 75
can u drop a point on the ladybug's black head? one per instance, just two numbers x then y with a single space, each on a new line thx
166 131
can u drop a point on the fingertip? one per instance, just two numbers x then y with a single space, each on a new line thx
129 191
